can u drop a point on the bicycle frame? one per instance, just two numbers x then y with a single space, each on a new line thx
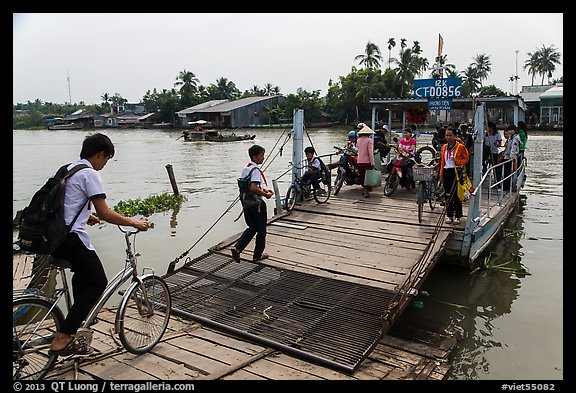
120 278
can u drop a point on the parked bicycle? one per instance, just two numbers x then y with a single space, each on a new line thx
301 189
430 187
141 319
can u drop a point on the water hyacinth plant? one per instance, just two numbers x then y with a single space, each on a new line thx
146 207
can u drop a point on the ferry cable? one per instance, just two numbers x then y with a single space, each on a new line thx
172 264
398 298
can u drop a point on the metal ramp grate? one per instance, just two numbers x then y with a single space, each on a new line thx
326 321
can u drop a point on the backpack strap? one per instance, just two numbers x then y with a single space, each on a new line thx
66 176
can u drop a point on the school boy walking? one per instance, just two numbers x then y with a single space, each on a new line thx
255 216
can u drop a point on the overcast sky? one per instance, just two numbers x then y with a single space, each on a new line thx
130 54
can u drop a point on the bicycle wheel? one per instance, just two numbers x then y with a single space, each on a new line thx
440 193
425 155
143 314
290 200
338 182
432 193
421 199
34 322
322 194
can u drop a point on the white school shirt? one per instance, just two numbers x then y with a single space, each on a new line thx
449 156
256 176
84 185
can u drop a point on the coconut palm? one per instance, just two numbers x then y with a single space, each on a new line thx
532 65
188 82
547 58
483 67
227 88
470 76
391 44
372 56
408 67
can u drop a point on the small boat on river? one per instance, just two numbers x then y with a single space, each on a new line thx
214 136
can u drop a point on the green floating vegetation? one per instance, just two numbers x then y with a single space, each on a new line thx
146 207
501 267
514 233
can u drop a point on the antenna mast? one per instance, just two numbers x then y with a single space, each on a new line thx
69 93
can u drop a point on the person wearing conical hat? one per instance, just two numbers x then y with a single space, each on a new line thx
365 146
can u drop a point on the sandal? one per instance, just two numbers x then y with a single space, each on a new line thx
236 255
263 256
76 346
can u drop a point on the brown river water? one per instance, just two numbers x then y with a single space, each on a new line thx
511 326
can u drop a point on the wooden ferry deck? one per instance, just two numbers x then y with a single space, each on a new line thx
365 243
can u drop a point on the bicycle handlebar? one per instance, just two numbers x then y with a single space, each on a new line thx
128 231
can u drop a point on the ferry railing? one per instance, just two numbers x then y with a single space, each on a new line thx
280 196
479 213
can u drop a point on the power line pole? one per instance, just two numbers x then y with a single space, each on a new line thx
69 92
516 78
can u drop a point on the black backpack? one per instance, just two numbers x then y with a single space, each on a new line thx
247 197
324 172
42 224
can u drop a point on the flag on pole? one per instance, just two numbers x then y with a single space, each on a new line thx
440 45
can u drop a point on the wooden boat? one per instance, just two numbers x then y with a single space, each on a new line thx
66 126
213 136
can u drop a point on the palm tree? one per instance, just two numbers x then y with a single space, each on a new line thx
532 65
227 88
188 82
372 56
483 67
470 76
547 58
408 67
391 44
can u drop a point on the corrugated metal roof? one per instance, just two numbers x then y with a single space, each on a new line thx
199 107
555 92
231 105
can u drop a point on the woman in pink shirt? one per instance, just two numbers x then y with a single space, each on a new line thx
365 145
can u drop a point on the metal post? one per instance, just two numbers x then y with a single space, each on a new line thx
298 139
277 198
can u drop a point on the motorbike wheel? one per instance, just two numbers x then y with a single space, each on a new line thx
290 200
322 194
425 155
338 182
391 184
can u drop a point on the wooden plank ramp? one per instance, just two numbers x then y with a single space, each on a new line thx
414 349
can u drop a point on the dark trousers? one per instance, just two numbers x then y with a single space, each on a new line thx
454 208
88 282
312 178
362 167
255 217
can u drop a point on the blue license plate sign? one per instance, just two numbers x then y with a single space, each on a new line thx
438 87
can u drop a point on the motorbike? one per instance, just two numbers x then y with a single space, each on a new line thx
347 171
398 171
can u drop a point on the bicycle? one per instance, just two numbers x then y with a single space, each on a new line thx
429 188
302 188
141 319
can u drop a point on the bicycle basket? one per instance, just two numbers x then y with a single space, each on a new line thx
423 173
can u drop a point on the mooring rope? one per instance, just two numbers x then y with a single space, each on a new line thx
172 264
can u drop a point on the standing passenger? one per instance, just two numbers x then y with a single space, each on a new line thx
365 146
255 216
454 155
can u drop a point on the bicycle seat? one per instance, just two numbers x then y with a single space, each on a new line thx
60 262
